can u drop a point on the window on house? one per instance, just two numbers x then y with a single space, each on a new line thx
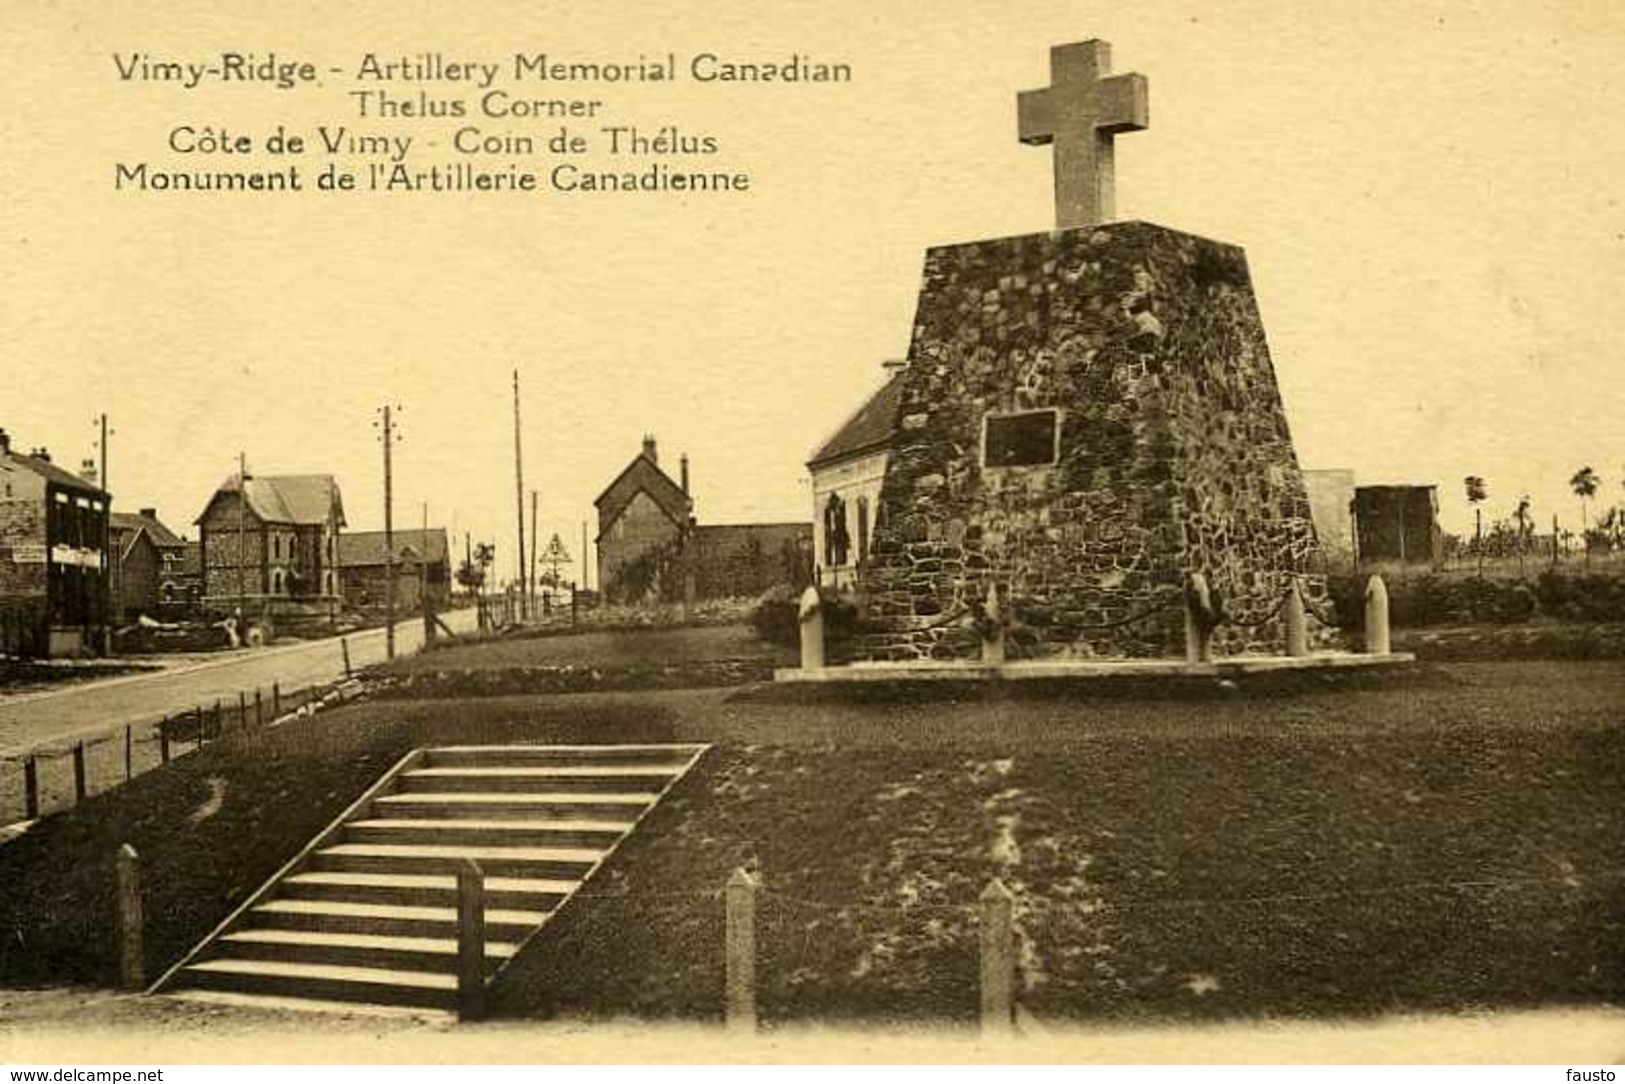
863 529
836 540
1028 439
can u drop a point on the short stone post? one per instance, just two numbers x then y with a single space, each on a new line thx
131 923
1198 619
1376 617
998 960
79 787
811 617
1297 623
470 941
993 631
739 946
31 788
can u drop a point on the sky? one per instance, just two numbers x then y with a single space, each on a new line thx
1428 195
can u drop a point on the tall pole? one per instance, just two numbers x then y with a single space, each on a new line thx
106 543
389 535
423 570
242 541
535 544
519 476
583 555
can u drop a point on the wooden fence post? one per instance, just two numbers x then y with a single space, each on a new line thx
276 699
132 965
163 740
129 753
470 942
344 646
998 960
242 710
259 708
30 789
739 941
79 787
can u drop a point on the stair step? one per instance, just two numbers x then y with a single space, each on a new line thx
553 831
329 982
516 893
565 863
437 954
609 805
673 758
640 779
390 920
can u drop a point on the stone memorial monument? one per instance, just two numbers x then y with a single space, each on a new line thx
1088 416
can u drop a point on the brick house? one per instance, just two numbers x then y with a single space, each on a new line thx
149 564
651 547
272 545
363 575
53 542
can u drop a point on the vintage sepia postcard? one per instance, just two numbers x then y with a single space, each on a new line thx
1062 531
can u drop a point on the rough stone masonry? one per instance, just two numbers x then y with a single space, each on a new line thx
1087 416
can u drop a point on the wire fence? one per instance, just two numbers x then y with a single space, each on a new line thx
59 775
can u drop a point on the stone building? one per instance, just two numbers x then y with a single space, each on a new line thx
650 546
149 564
846 472
1087 416
272 546
421 556
1399 524
53 542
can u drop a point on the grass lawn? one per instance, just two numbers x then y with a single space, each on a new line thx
1443 840
609 648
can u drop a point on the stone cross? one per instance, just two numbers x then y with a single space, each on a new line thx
1079 112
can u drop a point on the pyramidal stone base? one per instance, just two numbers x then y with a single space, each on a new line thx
1087 416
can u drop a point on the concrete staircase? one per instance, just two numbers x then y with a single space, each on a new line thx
368 911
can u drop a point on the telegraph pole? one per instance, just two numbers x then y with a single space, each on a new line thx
583 555
535 544
519 477
242 545
389 534
106 543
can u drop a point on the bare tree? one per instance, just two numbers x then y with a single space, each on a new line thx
1525 520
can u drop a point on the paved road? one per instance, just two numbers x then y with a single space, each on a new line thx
60 716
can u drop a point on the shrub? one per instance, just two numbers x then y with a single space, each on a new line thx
777 616
1429 599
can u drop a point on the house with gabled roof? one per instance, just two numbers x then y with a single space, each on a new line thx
422 560
148 563
847 470
651 547
271 545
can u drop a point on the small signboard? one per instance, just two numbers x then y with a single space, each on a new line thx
28 553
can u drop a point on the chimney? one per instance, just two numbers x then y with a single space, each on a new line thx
41 454
5 442
649 451
893 366
87 470
149 513
684 462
